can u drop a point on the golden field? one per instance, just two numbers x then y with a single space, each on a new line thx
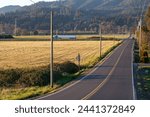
40 37
108 36
28 54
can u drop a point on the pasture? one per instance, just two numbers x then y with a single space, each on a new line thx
30 57
30 54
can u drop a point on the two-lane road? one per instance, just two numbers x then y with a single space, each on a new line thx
110 80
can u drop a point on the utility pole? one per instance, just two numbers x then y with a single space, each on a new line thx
100 41
114 40
140 39
15 31
51 50
78 58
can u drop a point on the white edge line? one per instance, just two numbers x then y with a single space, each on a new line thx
103 60
134 93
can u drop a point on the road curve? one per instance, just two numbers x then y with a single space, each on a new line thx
110 80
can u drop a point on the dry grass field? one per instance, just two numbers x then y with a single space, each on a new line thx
28 54
31 54
108 36
32 37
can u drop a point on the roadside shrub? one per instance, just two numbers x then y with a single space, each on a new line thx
31 78
69 67
37 77
28 77
136 47
136 57
6 36
145 58
9 77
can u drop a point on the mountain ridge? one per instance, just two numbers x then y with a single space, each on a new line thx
72 15
84 5
10 8
102 4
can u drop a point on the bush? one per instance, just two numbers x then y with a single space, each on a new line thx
38 77
136 57
69 67
27 77
6 36
32 78
9 77
145 58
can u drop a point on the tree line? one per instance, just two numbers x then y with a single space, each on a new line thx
143 38
65 20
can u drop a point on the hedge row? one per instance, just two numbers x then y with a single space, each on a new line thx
5 36
36 76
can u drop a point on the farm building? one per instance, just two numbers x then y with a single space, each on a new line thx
70 37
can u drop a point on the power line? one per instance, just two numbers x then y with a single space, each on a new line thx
32 1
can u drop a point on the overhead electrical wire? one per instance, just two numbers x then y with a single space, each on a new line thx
32 1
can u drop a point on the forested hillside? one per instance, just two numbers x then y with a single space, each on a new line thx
74 16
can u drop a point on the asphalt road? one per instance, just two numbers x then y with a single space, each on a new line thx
110 80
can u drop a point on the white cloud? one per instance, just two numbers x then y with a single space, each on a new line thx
18 2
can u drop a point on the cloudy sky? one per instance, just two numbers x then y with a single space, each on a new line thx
19 2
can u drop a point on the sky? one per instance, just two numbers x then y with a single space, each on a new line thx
18 2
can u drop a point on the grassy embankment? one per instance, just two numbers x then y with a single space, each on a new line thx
109 36
143 83
142 77
23 65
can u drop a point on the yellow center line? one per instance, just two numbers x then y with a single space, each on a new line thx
107 78
67 87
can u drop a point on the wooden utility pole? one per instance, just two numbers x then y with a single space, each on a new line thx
15 31
78 58
100 41
51 50
140 39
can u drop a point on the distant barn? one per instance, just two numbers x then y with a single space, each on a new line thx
70 37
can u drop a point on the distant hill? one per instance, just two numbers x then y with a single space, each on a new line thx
72 15
9 9
122 5
107 4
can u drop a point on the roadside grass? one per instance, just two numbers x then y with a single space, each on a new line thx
24 93
17 93
143 83
117 36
